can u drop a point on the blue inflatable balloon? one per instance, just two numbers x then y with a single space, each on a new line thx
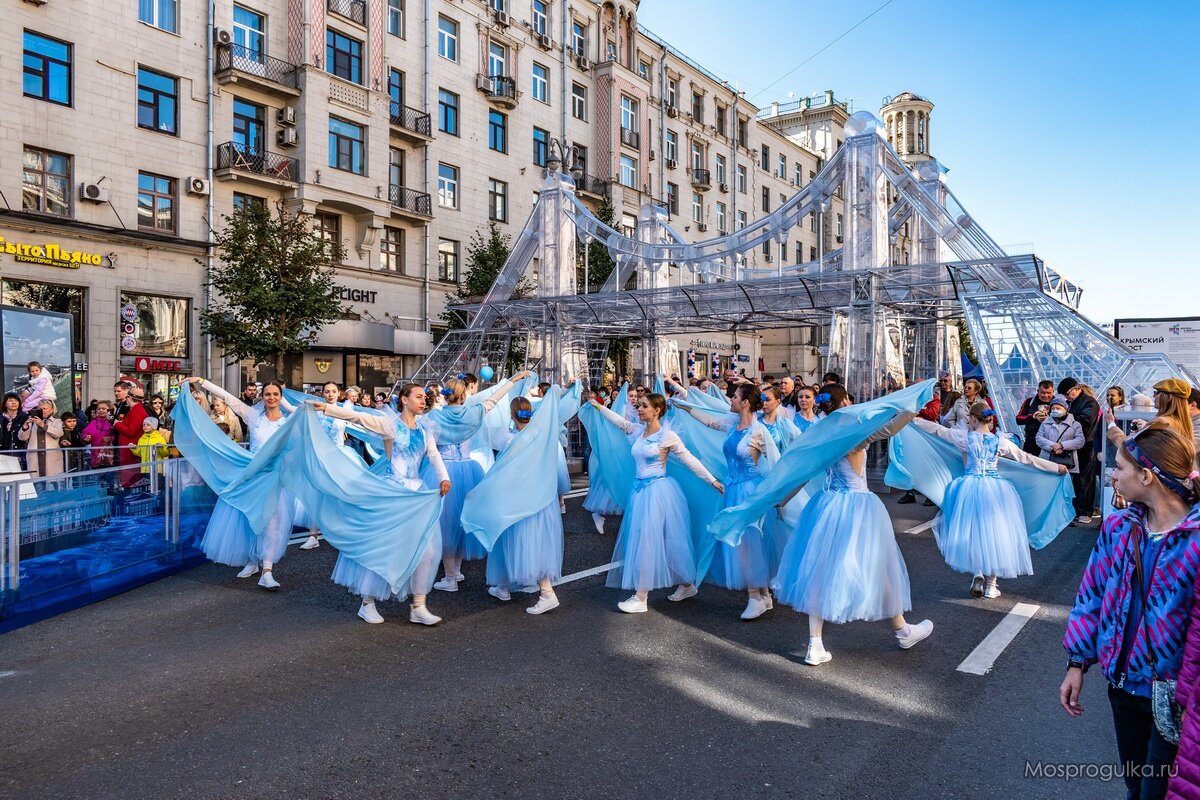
487 373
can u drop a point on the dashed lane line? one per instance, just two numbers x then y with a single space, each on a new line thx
981 659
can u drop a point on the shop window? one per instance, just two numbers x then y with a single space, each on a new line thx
50 297
160 325
47 69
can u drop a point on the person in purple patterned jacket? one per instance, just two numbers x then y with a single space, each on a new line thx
1133 606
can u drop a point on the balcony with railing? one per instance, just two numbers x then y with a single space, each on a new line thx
630 138
410 122
353 10
237 161
592 185
410 202
238 64
701 179
500 89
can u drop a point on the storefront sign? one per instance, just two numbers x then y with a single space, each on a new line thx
50 255
356 295
129 313
701 344
128 344
144 364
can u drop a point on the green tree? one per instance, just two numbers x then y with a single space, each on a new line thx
599 262
486 256
273 286
965 343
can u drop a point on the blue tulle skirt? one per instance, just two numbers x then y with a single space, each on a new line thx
456 542
300 517
564 475
365 583
751 564
981 529
843 563
599 501
228 539
654 545
528 551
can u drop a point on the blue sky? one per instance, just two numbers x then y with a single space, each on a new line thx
1070 125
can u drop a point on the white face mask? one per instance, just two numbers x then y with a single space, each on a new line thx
1058 413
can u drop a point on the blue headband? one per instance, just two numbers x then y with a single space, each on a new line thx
447 392
822 398
764 397
1168 480
524 416
989 413
462 375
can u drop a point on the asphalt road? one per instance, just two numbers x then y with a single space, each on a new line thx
203 686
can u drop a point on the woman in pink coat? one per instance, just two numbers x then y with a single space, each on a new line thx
1185 783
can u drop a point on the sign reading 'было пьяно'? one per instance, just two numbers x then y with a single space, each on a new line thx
50 255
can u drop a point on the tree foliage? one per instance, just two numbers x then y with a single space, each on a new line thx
273 286
486 256
965 343
599 262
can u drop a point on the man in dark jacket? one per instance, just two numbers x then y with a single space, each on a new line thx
1086 412
946 394
1033 413
131 412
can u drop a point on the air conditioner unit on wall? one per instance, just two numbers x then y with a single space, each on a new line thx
725 188
222 36
93 193
545 41
672 111
502 18
198 186
287 137
672 163
584 63
286 115
700 226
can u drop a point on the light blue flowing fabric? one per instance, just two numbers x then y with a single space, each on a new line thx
818 449
784 428
522 482
919 460
660 385
705 443
497 422
568 403
454 424
704 400
621 401
373 440
378 524
610 447
715 392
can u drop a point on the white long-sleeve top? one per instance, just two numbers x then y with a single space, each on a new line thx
650 452
258 424
415 446
1006 448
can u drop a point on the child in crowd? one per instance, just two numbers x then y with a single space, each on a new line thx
99 435
40 388
151 445
72 438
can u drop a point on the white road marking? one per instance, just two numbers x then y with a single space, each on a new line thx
924 526
984 656
6 673
577 576
576 493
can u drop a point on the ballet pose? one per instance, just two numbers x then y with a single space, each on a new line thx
335 429
654 546
455 426
981 530
773 417
228 538
843 563
751 564
408 446
600 500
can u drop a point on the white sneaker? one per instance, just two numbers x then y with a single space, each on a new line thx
367 613
458 576
977 586
1083 519
634 605
754 608
916 633
817 655
562 506
248 570
421 615
683 593
268 582
545 603
770 601
992 590
598 521
447 584
500 593
312 544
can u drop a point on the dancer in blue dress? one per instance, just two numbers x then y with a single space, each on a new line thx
806 410
843 563
654 547
751 564
981 530
228 538
600 500
775 419
335 429
408 447
455 426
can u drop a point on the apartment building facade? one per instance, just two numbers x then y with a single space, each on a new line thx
400 127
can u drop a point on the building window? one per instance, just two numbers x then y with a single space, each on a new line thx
328 228
448 112
799 252
697 207
541 17
448 260
541 83
541 146
579 32
672 92
764 161
629 170
722 220
158 101
766 199
46 182
496 5
673 199
447 186
782 173
766 248
347 146
395 168
672 146
812 254
156 202
741 178
159 13
249 127
497 132
243 202
798 176
720 170
741 220
395 18
447 38
610 50
581 159
249 34
629 113
697 156
497 200
743 134
839 229
396 90
721 111
391 249
497 60
343 56
644 69
697 107
579 102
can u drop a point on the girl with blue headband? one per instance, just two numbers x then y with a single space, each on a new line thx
981 530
